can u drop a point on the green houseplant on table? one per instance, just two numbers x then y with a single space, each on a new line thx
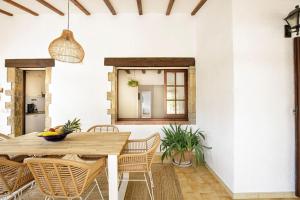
180 143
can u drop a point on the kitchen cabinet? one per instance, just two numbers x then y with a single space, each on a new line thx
34 122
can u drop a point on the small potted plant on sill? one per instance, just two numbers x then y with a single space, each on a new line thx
133 83
180 144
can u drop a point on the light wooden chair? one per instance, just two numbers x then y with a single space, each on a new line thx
104 129
58 178
137 157
15 177
98 129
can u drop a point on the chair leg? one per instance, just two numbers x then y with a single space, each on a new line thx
152 183
146 180
99 189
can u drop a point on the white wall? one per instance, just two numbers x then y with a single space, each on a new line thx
245 89
80 90
263 96
215 85
35 83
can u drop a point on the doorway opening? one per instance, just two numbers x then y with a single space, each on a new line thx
30 95
34 108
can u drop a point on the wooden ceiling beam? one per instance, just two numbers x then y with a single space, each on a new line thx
48 5
170 6
140 6
21 7
80 7
110 7
6 13
198 6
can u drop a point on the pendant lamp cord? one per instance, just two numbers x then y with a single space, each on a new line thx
68 14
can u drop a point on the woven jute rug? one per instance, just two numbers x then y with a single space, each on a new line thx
164 177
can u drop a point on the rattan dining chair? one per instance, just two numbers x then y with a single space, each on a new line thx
98 129
59 178
104 129
15 177
137 157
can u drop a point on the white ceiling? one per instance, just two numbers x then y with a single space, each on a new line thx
98 6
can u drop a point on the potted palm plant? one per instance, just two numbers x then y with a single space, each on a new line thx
180 144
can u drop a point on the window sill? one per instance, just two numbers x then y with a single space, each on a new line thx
152 122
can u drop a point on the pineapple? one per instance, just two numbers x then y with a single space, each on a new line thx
72 126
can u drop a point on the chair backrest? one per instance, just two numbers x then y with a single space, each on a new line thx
59 178
13 175
152 144
3 137
104 129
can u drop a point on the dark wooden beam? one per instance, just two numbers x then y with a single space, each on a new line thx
296 113
48 5
140 7
6 13
170 6
30 63
149 62
21 7
80 7
199 5
110 7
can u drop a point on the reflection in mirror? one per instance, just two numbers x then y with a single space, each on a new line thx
145 98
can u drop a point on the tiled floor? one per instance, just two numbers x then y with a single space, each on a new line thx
199 184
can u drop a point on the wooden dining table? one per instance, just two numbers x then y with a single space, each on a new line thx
108 144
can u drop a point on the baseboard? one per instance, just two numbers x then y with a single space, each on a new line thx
267 195
259 195
220 181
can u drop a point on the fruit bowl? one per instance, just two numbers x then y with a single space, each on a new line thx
56 138
60 132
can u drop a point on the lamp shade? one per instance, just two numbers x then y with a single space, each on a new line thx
66 48
293 18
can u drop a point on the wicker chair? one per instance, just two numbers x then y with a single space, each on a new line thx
137 157
98 129
15 177
104 129
58 178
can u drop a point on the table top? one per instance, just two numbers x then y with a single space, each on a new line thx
75 143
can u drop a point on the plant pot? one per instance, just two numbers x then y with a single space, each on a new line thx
184 160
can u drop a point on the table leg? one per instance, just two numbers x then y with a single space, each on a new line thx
113 177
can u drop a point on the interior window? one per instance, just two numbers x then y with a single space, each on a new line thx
153 94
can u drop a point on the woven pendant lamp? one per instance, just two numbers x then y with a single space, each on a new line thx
66 48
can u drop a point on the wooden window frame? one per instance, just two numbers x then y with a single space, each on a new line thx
176 116
173 118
